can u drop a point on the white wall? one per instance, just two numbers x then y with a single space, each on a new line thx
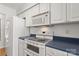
68 30
39 30
8 12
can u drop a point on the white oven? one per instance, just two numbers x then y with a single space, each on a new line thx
33 48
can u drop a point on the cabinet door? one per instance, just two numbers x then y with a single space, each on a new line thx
55 52
35 10
58 13
42 51
28 18
31 12
59 52
73 11
44 7
21 47
49 52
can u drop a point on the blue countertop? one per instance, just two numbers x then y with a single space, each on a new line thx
27 37
24 37
66 44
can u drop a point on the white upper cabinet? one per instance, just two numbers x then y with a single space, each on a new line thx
35 10
28 18
73 12
58 13
44 7
30 13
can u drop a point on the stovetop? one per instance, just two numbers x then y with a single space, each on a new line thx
33 37
40 40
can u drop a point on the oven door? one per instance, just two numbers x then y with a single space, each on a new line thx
33 48
36 50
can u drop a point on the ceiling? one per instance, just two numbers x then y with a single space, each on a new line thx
16 6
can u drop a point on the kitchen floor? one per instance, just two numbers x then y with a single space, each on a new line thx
3 52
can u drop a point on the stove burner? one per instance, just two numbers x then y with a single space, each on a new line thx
40 40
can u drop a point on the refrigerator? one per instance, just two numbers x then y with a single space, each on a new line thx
14 28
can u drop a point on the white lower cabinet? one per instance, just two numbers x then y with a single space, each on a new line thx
72 12
54 52
21 47
69 54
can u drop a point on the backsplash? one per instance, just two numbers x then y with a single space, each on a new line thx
39 30
67 30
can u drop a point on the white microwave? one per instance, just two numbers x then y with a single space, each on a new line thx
41 19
